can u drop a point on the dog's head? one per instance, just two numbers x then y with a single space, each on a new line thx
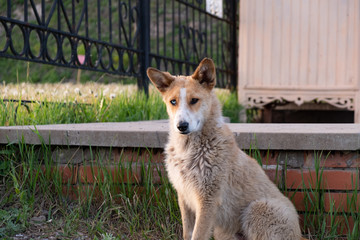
187 98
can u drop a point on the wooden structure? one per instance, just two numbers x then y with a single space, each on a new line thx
300 51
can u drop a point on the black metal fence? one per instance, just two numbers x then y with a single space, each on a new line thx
122 37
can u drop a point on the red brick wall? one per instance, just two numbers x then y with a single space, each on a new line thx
295 172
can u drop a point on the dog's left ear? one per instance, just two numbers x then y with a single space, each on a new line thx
205 73
161 80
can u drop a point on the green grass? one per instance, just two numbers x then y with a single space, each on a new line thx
124 107
22 71
125 210
231 106
127 107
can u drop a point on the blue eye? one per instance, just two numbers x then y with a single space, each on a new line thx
194 101
173 102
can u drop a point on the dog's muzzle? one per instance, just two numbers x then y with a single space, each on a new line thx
183 127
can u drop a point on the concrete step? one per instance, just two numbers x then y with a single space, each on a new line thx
153 134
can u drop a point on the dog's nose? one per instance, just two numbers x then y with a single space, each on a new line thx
183 127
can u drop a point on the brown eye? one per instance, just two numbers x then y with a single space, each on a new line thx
173 102
194 101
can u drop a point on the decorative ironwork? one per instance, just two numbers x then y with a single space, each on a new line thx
339 102
189 33
121 37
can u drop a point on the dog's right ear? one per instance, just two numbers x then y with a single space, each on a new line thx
205 73
161 80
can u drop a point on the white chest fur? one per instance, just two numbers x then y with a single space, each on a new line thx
182 185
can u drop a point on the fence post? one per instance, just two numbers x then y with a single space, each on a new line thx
234 38
143 81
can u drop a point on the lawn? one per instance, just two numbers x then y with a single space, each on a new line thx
91 102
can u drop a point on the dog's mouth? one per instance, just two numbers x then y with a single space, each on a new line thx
184 132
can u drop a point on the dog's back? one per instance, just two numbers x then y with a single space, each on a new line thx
221 190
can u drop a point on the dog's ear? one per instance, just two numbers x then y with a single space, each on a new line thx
161 80
205 73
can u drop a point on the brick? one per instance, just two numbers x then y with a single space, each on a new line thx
73 155
128 155
294 178
342 202
274 173
158 173
292 159
68 173
303 201
340 159
71 192
340 179
90 174
154 155
345 225
98 154
331 179
77 155
117 154
334 159
297 198
269 157
140 155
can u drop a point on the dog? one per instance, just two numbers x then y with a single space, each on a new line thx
222 192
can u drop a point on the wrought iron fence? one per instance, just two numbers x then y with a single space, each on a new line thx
121 37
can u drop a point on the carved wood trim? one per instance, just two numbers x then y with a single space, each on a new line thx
258 101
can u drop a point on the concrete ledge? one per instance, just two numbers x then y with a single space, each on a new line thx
153 134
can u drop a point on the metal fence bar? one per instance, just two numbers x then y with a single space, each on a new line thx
86 18
234 37
145 42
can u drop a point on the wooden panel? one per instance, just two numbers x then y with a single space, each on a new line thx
285 42
295 42
323 30
275 44
304 42
258 40
299 44
332 41
313 43
268 25
341 59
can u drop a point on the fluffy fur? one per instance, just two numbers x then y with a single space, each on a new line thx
222 192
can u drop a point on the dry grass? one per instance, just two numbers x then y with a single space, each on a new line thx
83 93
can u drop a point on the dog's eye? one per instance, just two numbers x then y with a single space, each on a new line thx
173 102
194 101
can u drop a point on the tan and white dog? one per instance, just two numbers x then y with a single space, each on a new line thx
222 192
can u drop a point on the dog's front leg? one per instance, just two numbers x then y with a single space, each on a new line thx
188 218
204 223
